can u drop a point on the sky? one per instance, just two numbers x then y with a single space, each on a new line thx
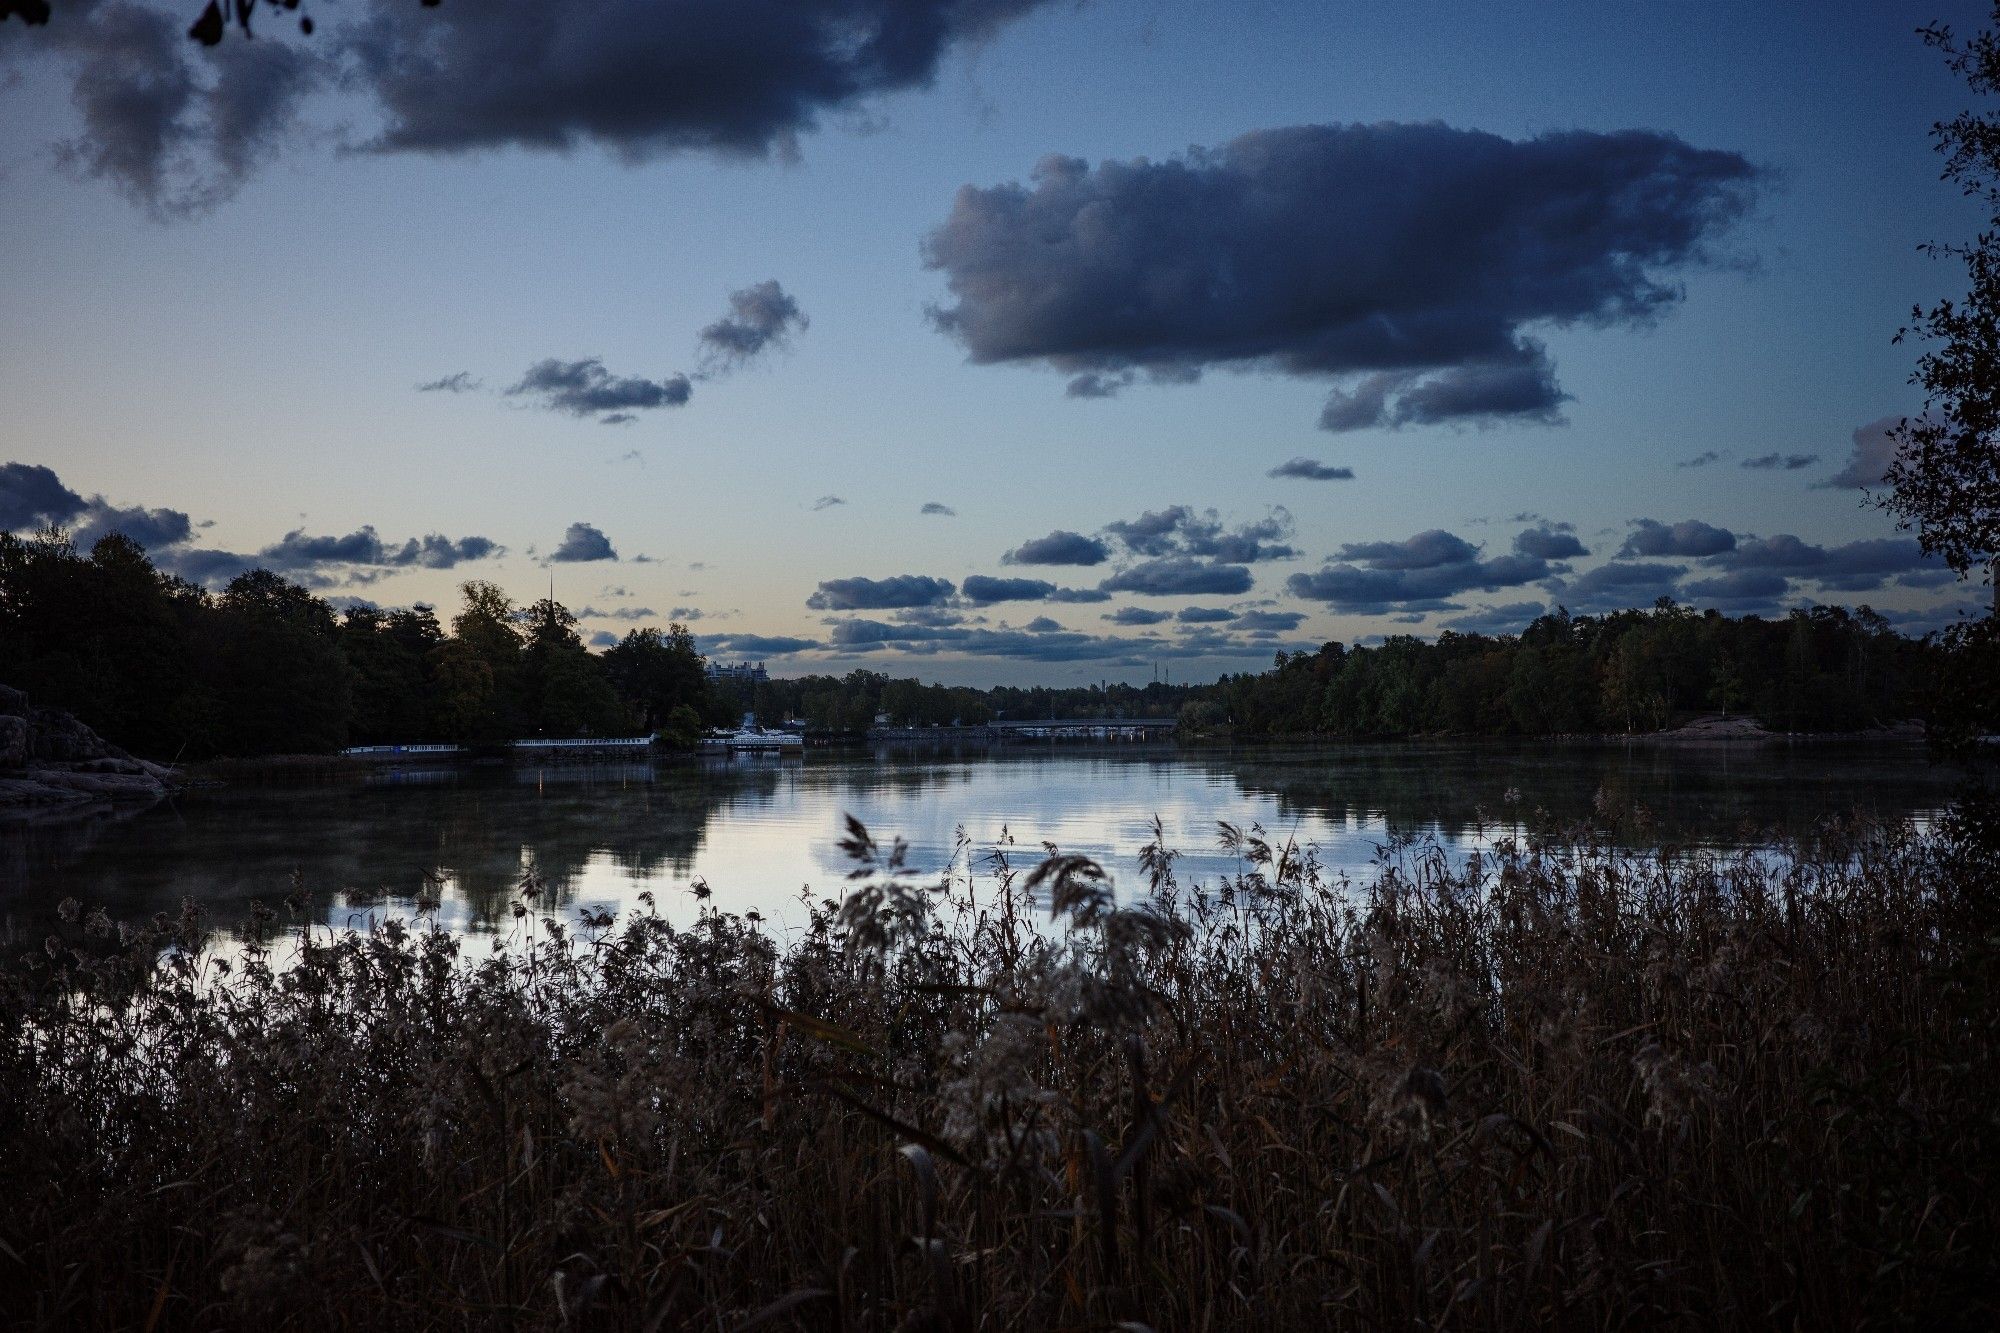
989 341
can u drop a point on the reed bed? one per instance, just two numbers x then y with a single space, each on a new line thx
1557 1086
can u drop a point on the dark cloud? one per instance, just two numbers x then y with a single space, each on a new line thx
1262 622
1404 262
1867 466
297 550
933 507
582 542
1179 576
1426 550
1549 543
1042 640
585 388
1137 615
1700 460
1510 618
1311 469
1180 530
647 77
983 590
151 528
32 495
826 502
1419 573
1059 548
1079 595
212 569
1743 589
1621 584
760 317
863 594
457 382
1095 386
617 419
1778 462
632 613
603 638
175 127
1857 566
1206 615
1691 538
756 645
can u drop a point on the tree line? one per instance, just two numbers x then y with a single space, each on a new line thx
168 669
1823 669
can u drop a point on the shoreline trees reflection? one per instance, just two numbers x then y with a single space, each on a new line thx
603 833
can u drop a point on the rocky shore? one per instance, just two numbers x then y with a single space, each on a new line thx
49 759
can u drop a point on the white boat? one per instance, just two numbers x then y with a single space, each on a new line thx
750 738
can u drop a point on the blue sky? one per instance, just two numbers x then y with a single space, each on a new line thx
254 364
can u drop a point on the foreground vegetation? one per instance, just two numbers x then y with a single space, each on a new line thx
1560 1086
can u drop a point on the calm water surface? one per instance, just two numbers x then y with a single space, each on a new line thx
761 830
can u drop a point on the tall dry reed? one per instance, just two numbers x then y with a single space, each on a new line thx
1559 1086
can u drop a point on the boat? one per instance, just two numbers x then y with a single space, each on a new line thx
751 738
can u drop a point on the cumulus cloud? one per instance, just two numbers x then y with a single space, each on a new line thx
933 507
1311 469
1181 530
32 495
1426 550
1060 547
756 645
1419 573
1137 615
643 78
581 542
1266 622
1508 618
1650 537
1745 589
364 546
1867 465
632 613
175 127
1779 462
1402 262
460 381
1079 595
760 318
151 528
585 388
1180 576
1549 542
983 590
864 594
1857 566
1700 459
1205 615
1620 584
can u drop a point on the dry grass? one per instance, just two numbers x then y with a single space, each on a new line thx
1561 1087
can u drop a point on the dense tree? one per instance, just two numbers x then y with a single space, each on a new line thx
659 673
1945 480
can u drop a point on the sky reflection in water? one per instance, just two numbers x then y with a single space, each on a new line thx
759 831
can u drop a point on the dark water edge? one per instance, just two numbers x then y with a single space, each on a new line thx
760 830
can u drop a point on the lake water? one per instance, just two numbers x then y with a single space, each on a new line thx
759 831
